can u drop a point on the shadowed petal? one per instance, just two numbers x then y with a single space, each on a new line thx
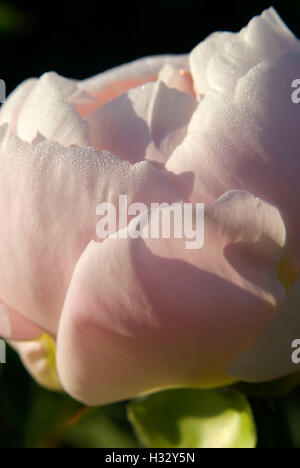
146 122
112 83
270 355
145 314
250 142
47 225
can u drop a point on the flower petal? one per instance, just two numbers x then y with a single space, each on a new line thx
14 326
251 142
176 78
146 314
47 110
11 109
83 102
270 355
146 122
112 83
46 227
219 61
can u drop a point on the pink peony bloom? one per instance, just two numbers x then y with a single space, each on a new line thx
131 316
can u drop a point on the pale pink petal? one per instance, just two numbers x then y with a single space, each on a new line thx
251 142
142 315
270 355
176 78
11 109
112 83
49 198
47 110
147 122
219 61
83 102
14 326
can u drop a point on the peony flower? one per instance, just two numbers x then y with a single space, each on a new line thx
134 315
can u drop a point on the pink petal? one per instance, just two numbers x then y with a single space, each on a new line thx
143 315
270 355
112 83
14 326
48 224
251 142
146 122
83 102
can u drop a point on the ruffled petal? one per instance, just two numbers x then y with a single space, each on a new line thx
48 111
147 122
146 314
10 110
250 142
219 61
112 83
50 194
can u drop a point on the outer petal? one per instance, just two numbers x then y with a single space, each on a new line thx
11 109
146 122
112 83
47 225
142 314
38 356
47 110
14 326
219 61
270 355
251 142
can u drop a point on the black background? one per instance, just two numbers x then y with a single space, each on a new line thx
82 38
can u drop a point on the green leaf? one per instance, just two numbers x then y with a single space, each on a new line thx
99 428
48 417
193 418
55 420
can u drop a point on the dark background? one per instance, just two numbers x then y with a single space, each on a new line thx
79 39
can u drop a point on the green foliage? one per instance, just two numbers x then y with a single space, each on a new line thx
33 417
192 418
11 18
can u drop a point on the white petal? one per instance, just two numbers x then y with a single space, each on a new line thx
11 109
223 58
48 111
